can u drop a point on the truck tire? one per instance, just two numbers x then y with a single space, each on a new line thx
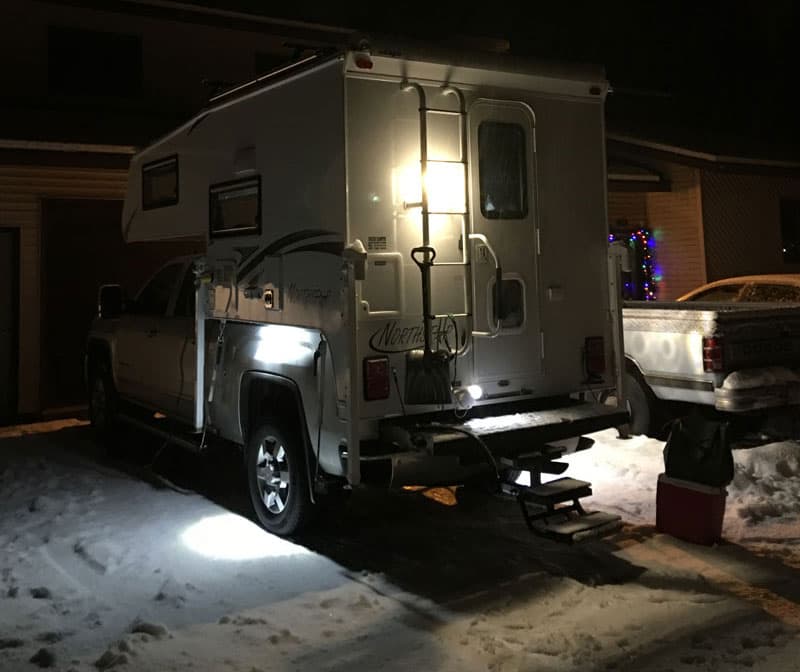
642 405
102 400
278 481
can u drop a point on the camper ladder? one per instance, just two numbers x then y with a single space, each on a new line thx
424 255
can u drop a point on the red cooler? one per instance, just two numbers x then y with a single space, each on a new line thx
690 511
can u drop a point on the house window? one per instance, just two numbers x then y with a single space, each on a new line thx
235 207
160 183
503 176
92 63
790 230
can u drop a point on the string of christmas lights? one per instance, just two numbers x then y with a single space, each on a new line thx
642 243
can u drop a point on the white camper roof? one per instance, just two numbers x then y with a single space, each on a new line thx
415 61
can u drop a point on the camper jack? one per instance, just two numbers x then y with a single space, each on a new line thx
405 279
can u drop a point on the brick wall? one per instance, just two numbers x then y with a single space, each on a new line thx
674 219
628 205
742 223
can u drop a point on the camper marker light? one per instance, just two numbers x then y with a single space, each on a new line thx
475 391
230 537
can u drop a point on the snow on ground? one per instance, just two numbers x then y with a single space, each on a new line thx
103 567
763 502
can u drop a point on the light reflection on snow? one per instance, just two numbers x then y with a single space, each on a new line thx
231 537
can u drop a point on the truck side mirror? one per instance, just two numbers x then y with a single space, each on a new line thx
110 301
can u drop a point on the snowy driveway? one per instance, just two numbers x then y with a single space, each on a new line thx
103 567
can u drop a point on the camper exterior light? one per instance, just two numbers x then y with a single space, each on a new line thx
444 182
475 391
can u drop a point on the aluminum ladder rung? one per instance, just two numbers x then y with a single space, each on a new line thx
442 111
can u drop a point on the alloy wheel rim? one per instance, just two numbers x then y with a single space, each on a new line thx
272 475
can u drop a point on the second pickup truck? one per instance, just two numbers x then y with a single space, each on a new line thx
739 359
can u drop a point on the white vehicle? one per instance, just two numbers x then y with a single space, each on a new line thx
406 282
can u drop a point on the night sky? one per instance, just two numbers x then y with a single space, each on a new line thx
717 75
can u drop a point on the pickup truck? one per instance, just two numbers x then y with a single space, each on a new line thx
741 360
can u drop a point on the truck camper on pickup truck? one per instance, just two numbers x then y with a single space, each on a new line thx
390 293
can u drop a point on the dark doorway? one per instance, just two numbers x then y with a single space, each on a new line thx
9 323
82 248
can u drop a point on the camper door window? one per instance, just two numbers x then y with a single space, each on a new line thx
160 183
503 176
235 207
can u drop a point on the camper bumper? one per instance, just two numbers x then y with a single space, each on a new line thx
437 451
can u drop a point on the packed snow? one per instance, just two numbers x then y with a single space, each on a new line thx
747 379
121 565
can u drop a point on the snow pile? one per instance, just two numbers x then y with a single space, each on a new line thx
763 377
763 499
766 488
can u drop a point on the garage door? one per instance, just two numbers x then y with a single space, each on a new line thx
9 324
82 248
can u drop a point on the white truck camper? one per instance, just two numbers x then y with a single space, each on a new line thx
406 282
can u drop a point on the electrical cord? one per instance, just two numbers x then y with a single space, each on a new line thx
397 387
477 439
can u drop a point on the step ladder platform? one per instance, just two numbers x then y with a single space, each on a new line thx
556 491
572 528
531 460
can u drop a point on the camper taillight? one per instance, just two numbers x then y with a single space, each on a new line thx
376 378
594 349
713 359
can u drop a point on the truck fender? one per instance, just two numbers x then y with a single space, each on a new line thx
259 388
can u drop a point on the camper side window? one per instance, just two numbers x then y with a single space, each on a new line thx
235 208
160 183
502 170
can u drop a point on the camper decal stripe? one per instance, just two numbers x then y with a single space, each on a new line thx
332 247
277 246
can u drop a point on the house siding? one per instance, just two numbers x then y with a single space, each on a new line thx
22 189
743 223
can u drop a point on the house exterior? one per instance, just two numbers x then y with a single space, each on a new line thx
709 216
82 88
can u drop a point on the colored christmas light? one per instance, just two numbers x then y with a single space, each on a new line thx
642 242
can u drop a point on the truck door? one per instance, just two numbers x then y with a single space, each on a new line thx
507 356
177 348
139 355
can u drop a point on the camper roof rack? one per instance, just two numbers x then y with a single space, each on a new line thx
322 54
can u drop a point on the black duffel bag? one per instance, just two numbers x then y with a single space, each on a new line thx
697 450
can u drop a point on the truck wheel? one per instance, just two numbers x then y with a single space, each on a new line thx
277 480
102 401
641 405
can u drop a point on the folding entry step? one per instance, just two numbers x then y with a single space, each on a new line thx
553 510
